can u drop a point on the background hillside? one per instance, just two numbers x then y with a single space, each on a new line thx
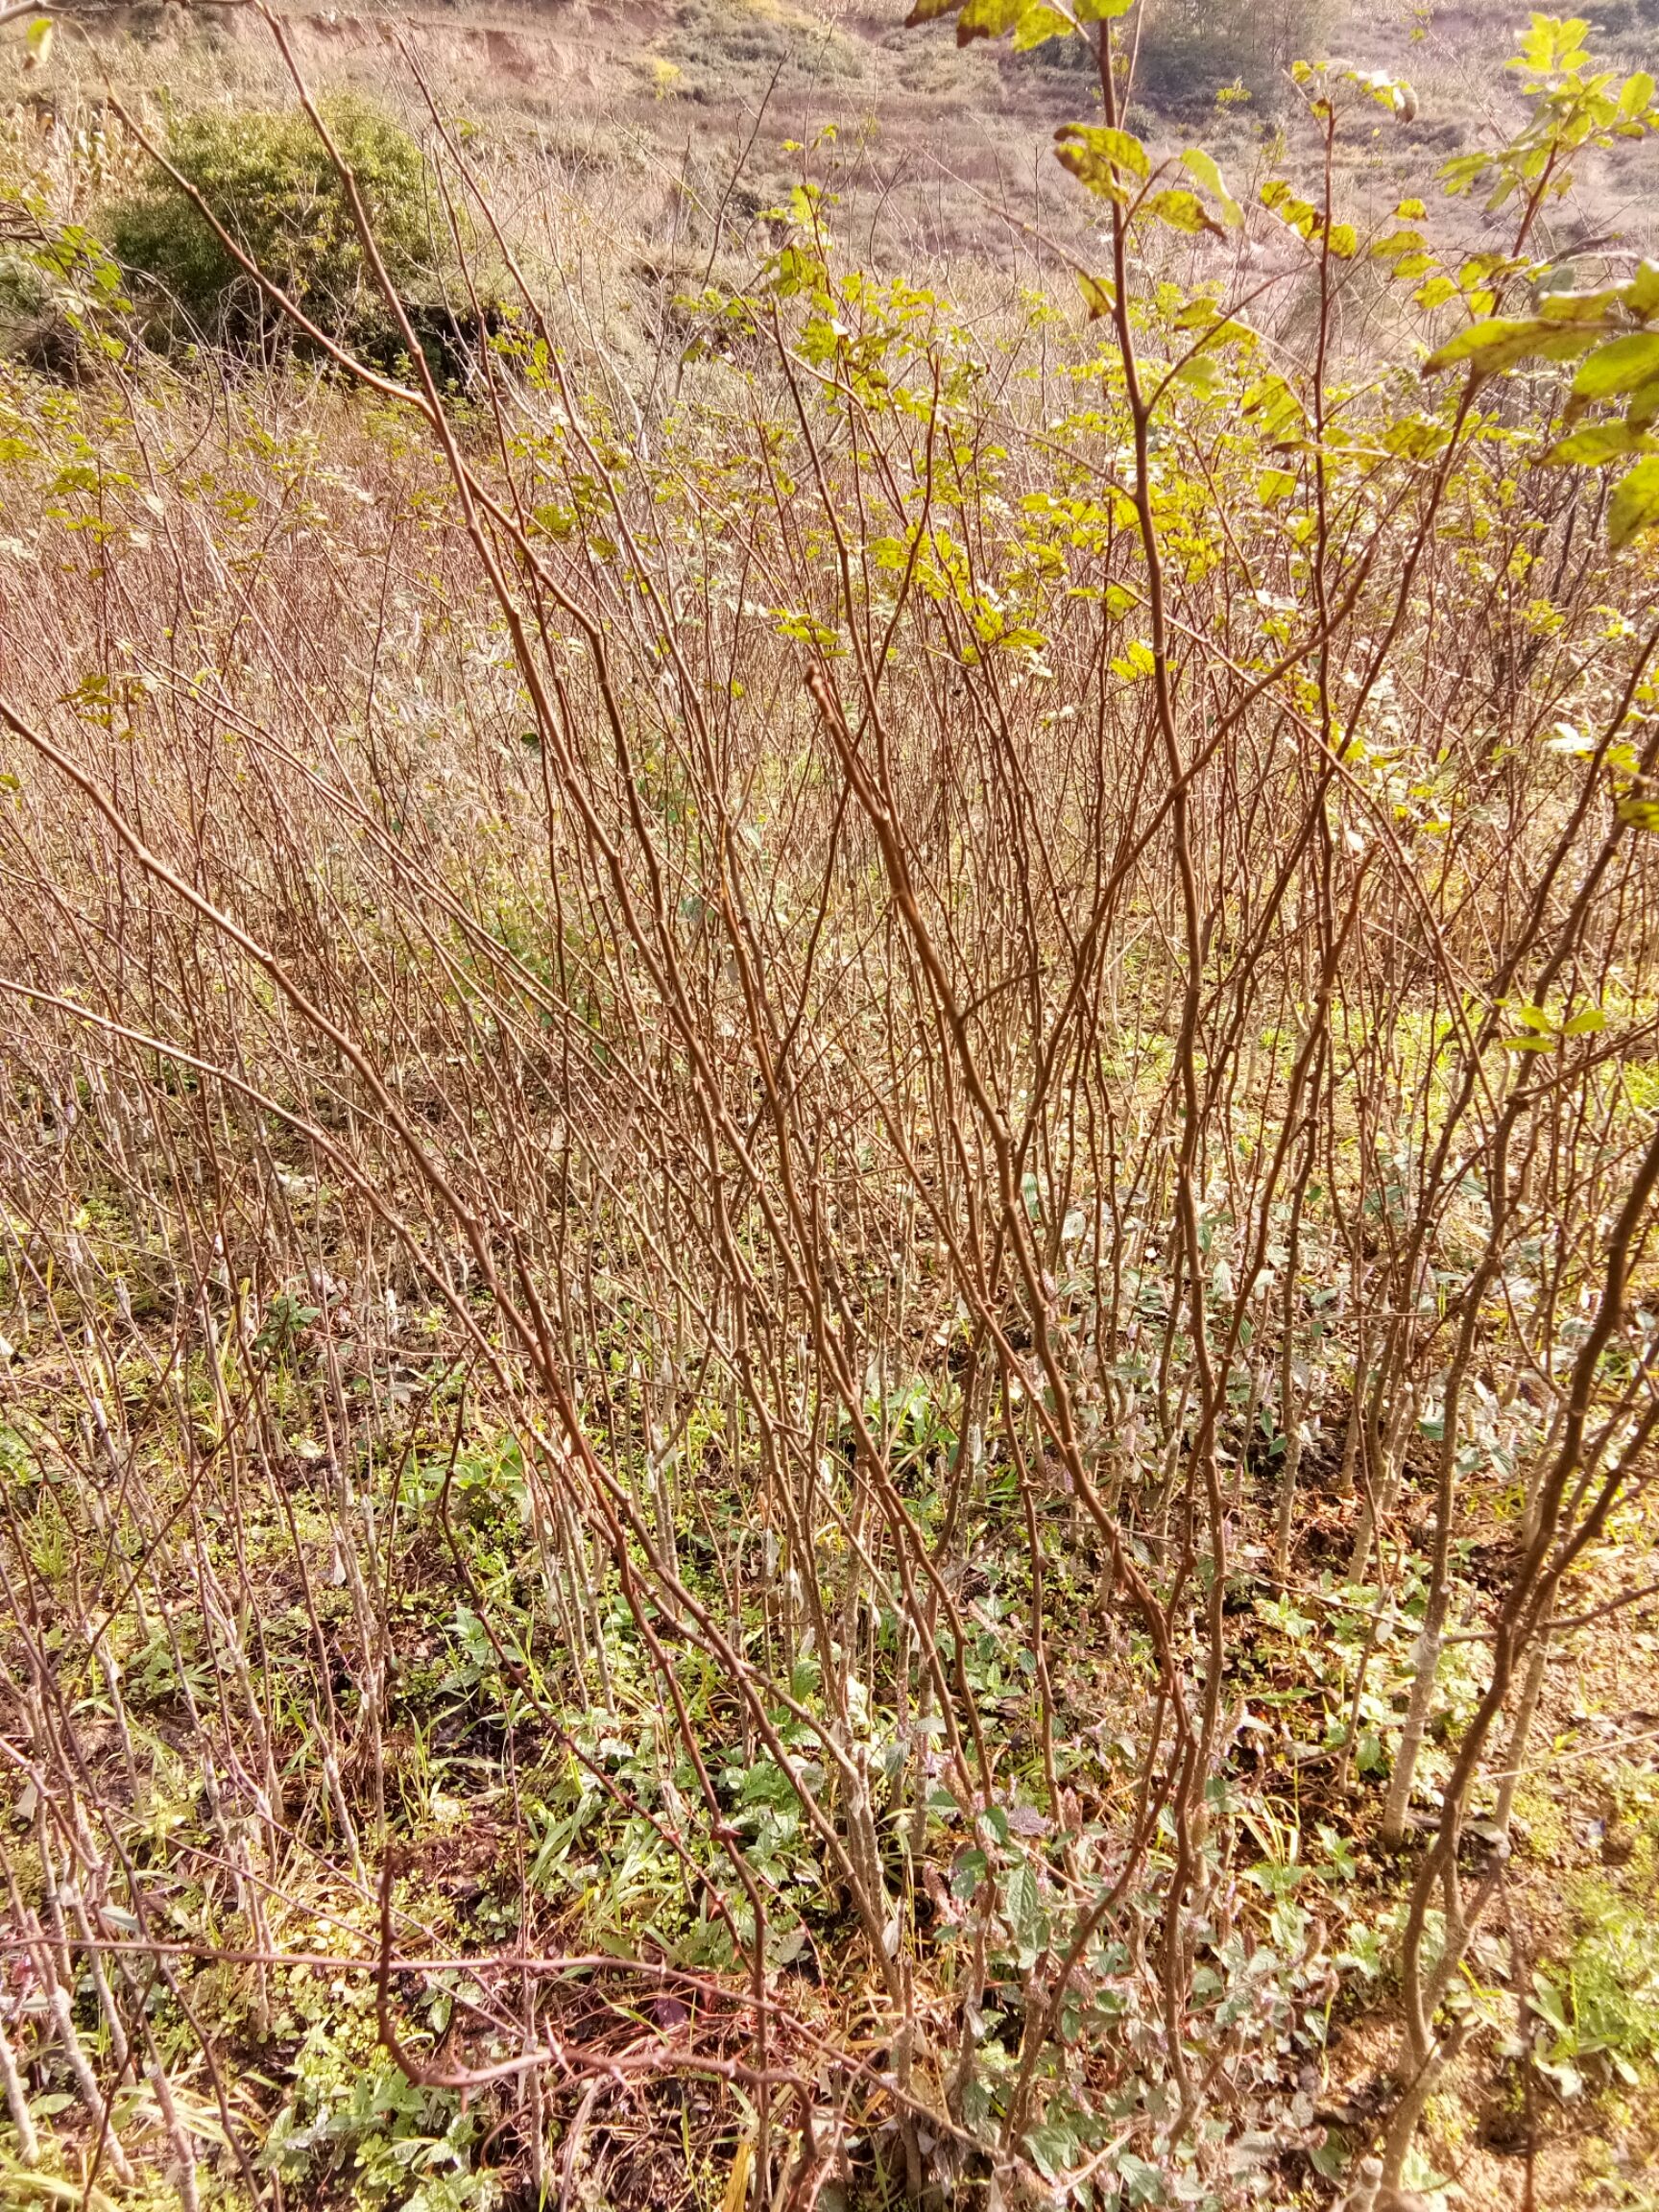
946 150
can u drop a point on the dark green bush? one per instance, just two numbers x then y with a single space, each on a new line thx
1193 49
269 181
1190 50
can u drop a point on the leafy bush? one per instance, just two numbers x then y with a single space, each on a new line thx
268 180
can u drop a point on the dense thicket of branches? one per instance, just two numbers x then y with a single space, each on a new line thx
764 1147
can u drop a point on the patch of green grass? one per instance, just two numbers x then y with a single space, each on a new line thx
1602 2005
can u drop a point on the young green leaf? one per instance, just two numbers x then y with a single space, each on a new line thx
1098 296
1205 167
1635 507
1104 160
1502 340
1596 443
1183 211
1552 47
1619 367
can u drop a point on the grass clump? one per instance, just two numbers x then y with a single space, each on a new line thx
720 52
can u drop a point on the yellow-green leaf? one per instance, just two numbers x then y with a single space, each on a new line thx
1102 158
1098 296
1207 171
1596 443
1201 373
1503 340
1301 215
987 19
1038 24
1619 367
1634 508
1183 211
1577 306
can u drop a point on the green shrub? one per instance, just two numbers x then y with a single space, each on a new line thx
269 181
